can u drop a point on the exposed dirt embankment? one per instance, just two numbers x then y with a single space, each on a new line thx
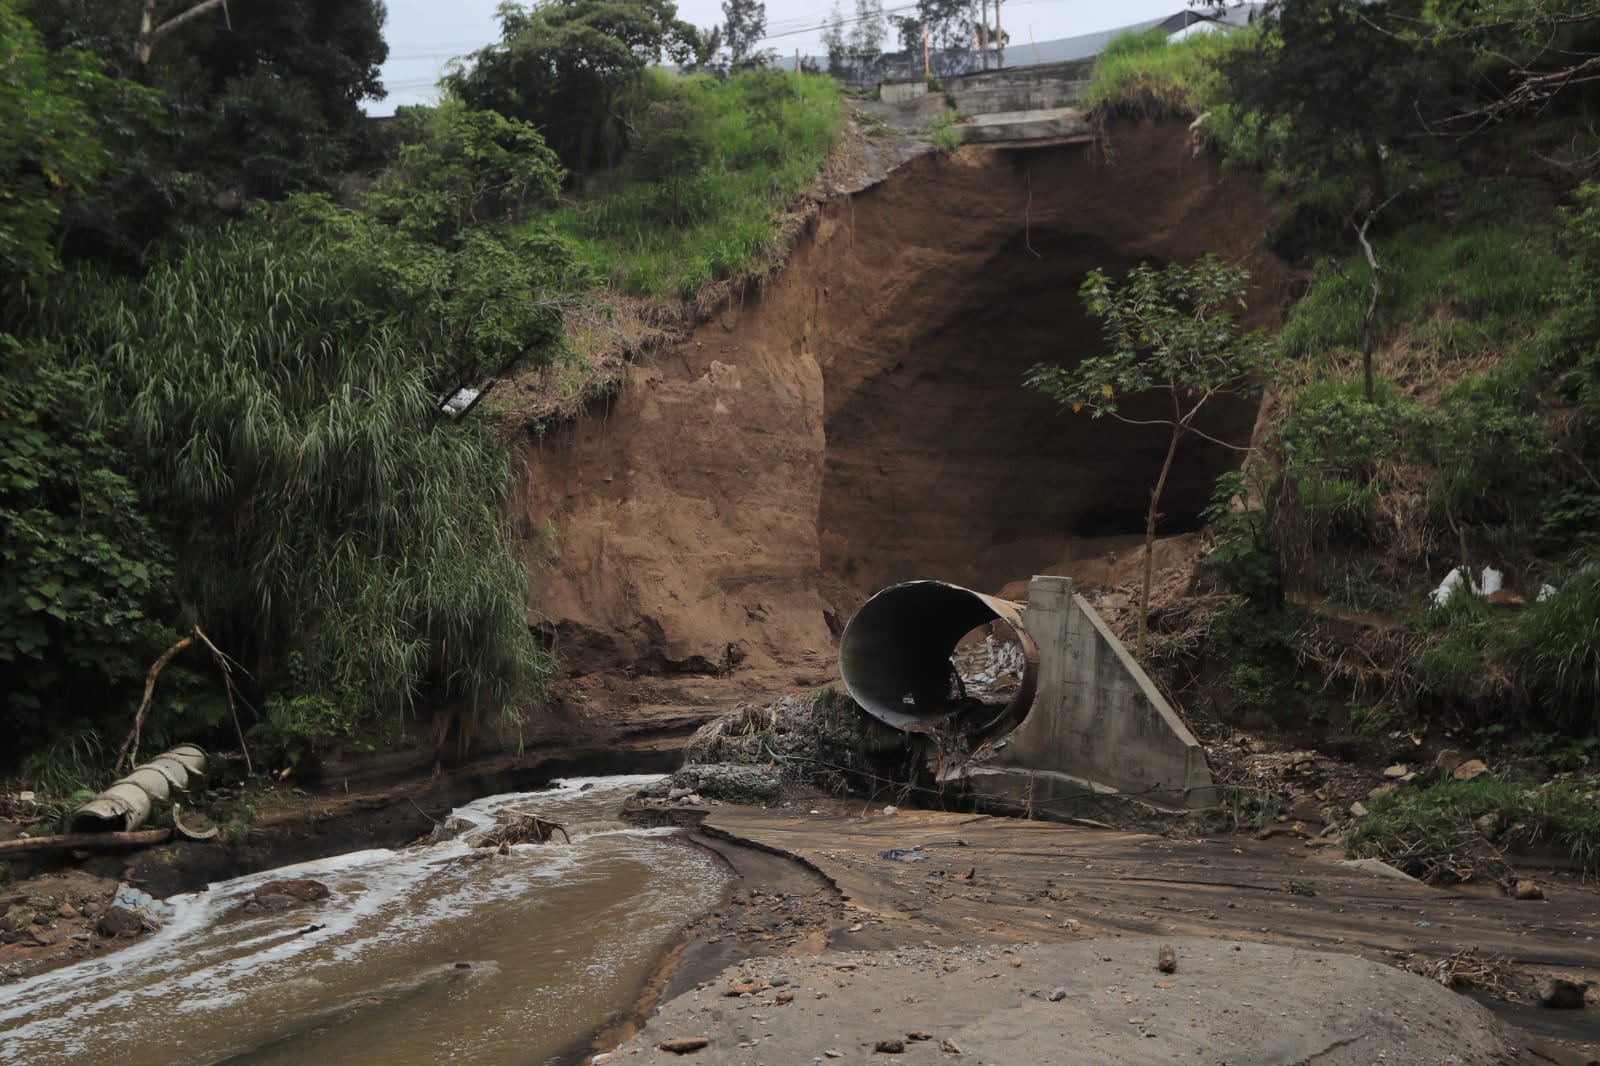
862 421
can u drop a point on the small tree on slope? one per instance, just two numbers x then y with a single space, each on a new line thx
1171 335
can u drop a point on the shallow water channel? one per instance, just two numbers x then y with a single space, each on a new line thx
559 940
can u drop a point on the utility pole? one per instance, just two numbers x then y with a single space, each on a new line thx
999 38
983 32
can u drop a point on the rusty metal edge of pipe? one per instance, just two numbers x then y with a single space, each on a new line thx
1008 611
128 802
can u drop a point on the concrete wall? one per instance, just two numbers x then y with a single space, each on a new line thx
1098 725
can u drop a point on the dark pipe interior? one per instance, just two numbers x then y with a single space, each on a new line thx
894 654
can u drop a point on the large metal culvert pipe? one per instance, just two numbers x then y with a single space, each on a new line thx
125 805
894 657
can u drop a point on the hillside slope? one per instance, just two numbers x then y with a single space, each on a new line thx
860 420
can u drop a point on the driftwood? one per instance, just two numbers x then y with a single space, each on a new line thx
85 841
520 827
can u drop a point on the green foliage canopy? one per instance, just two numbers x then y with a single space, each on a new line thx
84 575
63 118
564 65
1346 78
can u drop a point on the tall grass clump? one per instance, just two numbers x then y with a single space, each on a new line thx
281 413
712 168
1143 75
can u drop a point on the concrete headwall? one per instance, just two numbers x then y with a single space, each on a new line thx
1098 725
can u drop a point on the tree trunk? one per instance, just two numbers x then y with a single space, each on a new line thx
1150 538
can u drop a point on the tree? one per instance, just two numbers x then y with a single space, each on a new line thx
262 98
1344 77
949 22
61 118
834 36
564 66
745 23
1171 335
869 32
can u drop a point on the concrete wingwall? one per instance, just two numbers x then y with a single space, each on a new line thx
1098 725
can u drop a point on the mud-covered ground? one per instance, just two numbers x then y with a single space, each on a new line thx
981 909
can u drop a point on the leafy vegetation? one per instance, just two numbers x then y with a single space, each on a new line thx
1453 830
702 196
234 314
566 67
1464 290
1174 347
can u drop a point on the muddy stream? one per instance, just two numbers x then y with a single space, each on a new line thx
557 941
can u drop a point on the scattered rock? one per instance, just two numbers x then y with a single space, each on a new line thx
890 1047
1397 771
1166 959
1469 769
919 1034
1448 759
1491 825
684 1045
730 783
119 921
1358 809
301 889
950 1047
741 988
1057 994
1558 993
1526 889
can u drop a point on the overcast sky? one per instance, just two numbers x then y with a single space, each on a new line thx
424 35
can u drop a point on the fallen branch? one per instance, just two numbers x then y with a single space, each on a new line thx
135 839
520 827
130 747
128 754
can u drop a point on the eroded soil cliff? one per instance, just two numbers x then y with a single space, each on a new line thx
861 420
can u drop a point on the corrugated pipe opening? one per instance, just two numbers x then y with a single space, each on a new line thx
928 656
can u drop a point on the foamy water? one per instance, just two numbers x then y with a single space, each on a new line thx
559 939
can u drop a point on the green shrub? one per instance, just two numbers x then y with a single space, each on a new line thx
943 133
1242 557
85 575
1258 651
1555 651
277 402
1430 832
1490 458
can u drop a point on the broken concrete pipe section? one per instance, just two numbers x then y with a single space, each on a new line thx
1083 725
125 805
895 658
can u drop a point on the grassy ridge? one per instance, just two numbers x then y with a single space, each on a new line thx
701 195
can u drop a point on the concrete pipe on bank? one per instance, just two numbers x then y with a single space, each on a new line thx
895 657
125 805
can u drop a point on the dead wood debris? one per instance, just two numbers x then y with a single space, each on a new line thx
1468 971
520 827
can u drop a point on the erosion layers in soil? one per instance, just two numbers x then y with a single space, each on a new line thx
861 419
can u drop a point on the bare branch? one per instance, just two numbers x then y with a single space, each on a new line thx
150 32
